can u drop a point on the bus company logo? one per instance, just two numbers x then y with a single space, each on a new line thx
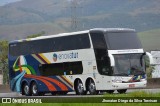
55 57
64 56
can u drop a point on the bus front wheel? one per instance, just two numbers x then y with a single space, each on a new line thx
122 91
79 88
92 88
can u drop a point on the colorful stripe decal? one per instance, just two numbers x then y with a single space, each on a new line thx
48 84
61 85
65 79
46 60
43 60
20 67
71 87
39 60
58 83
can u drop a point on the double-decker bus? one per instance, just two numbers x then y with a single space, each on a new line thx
100 59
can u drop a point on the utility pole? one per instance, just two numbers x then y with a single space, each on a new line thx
74 18
74 14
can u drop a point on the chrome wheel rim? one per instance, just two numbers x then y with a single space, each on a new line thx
26 89
92 87
34 89
80 87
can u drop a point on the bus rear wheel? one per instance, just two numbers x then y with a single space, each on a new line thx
34 90
26 89
92 88
122 91
79 88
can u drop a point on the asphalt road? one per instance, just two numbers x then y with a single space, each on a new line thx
72 94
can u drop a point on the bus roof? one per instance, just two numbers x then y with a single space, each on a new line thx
78 32
113 29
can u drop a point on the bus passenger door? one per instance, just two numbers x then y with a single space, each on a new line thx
105 71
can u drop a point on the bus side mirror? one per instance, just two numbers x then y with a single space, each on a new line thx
150 58
112 61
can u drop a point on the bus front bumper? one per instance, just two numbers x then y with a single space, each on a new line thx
132 85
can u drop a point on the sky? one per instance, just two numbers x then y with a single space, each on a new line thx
3 2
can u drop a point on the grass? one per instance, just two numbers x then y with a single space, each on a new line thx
134 94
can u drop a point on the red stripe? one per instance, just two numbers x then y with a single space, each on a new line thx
48 84
41 58
67 81
61 85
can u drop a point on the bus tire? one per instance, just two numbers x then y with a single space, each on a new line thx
79 88
26 90
92 87
34 89
122 91
110 91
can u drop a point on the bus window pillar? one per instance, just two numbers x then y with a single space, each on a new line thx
112 60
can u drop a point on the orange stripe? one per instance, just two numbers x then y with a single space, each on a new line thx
48 84
61 85
44 58
64 78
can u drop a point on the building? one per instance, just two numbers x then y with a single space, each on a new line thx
156 69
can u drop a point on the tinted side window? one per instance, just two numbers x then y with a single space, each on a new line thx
66 68
98 40
101 54
73 42
99 45
123 40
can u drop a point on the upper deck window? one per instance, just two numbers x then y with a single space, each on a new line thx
64 43
122 40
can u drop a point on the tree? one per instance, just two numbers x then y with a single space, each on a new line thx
4 60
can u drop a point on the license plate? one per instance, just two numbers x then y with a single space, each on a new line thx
131 85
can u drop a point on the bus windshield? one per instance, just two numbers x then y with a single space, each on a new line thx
129 64
122 40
